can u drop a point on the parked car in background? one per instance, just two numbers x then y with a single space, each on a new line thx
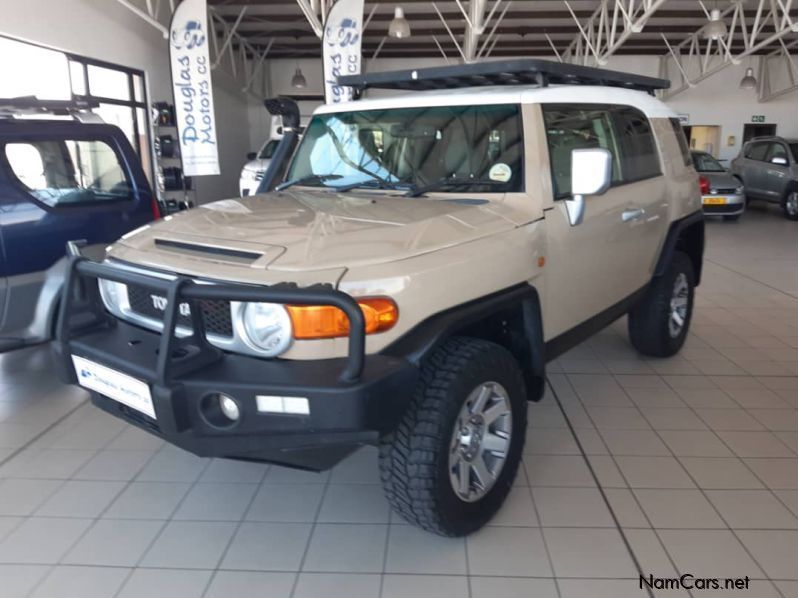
768 167
722 194
253 170
60 180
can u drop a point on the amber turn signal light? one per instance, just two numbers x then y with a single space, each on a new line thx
326 321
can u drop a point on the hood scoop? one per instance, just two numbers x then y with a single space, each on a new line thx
220 254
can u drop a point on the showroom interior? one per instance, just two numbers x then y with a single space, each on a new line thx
640 475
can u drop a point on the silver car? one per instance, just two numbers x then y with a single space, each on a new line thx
768 166
722 193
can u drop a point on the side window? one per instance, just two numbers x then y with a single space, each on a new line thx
684 144
569 128
757 151
68 172
776 150
637 142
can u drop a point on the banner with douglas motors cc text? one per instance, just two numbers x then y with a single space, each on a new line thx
193 91
343 34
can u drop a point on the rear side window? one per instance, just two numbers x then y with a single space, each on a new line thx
69 172
638 145
684 144
756 151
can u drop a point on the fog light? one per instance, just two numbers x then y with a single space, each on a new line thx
229 408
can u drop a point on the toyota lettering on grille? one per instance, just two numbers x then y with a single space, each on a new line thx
160 303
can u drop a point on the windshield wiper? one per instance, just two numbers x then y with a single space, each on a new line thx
311 178
368 184
449 182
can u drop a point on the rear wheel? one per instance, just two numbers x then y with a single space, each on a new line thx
452 460
658 324
790 205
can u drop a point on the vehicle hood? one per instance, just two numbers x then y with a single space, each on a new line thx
721 180
301 230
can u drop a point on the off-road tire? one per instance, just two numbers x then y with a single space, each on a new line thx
649 319
414 459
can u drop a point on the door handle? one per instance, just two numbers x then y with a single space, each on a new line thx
629 215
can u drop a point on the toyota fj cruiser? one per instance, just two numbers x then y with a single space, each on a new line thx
404 281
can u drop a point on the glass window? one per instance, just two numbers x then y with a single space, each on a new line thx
569 128
63 172
794 150
757 151
706 163
462 148
641 158
108 83
267 151
681 137
77 72
777 150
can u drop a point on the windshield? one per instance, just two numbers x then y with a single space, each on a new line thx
794 150
706 163
478 147
267 151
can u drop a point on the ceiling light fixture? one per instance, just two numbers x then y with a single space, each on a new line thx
399 27
716 27
749 81
298 80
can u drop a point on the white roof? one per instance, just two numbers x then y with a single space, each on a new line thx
516 94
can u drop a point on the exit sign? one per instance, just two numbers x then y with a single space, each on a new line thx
758 118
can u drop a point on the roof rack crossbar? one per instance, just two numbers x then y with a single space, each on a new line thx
503 72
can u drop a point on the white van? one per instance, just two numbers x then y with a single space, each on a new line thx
254 169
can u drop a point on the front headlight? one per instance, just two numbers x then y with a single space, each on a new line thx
249 175
266 327
111 294
739 190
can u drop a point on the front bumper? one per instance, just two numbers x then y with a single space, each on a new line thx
352 400
733 204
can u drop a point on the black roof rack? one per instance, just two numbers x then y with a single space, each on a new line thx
528 71
32 105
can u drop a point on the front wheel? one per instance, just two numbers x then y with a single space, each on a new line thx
658 324
790 205
452 460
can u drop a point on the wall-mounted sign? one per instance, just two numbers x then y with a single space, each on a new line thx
343 34
758 118
192 88
684 119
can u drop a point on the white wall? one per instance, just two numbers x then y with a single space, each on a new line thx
717 100
106 30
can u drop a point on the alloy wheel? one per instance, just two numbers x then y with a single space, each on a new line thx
680 298
480 441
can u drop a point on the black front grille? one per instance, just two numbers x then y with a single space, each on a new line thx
216 312
726 191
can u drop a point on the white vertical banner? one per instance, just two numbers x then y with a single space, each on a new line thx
192 87
343 35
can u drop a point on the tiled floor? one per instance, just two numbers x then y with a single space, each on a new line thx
662 466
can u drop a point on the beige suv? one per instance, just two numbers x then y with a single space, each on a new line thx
404 285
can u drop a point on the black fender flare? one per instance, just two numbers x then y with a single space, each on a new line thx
519 300
675 231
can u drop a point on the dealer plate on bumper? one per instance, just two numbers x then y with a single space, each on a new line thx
714 201
115 385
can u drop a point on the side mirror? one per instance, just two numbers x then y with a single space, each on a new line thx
251 156
591 174
779 161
